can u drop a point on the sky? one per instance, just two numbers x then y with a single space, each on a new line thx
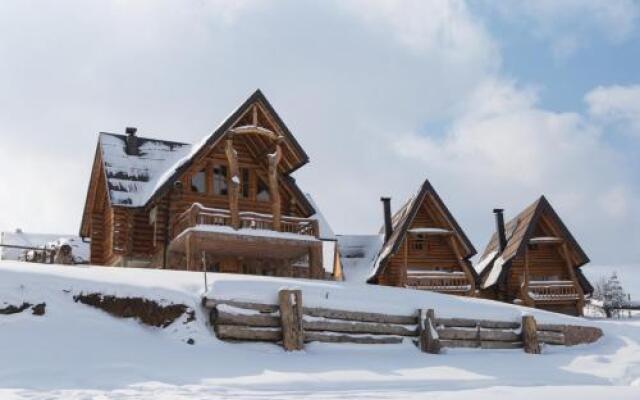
496 103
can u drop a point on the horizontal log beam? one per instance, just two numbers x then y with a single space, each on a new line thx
234 332
264 308
361 316
489 344
472 323
224 318
329 337
550 337
468 334
358 327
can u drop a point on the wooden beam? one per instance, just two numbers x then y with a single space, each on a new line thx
530 335
274 160
463 265
291 319
429 340
234 183
574 278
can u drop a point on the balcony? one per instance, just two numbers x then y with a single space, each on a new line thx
551 291
200 229
438 281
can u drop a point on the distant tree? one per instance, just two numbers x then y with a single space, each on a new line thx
613 296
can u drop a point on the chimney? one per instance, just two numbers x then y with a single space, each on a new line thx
132 141
388 228
502 238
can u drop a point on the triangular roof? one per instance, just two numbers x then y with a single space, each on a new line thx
518 231
136 180
402 221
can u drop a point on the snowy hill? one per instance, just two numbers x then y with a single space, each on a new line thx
75 351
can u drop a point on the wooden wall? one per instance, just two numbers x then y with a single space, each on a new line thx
437 251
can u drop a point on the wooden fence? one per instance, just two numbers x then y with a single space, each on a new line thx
292 324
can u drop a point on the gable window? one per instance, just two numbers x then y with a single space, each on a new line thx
220 186
245 182
418 242
262 193
198 184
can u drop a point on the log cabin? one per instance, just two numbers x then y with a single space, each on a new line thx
424 247
227 204
534 260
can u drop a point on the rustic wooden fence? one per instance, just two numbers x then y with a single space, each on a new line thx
292 324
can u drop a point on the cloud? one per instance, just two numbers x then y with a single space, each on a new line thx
505 150
569 25
616 104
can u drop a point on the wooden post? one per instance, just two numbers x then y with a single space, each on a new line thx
574 278
274 160
405 263
290 302
234 183
530 335
429 341
316 271
188 254
463 266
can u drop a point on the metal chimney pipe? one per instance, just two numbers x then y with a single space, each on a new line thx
132 141
388 228
502 237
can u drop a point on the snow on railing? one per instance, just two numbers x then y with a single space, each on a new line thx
200 215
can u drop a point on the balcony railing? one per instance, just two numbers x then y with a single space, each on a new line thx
551 291
438 281
199 215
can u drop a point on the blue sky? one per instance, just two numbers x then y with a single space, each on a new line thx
495 102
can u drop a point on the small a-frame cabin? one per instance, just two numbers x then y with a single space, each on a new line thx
534 260
424 247
227 204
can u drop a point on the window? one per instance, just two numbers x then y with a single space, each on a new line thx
262 194
220 186
417 243
244 182
198 184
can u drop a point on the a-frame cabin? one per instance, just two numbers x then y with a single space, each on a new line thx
227 204
424 247
534 260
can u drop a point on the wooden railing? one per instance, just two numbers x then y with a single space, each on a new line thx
200 215
549 291
438 281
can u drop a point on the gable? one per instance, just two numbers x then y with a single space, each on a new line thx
538 219
423 210
255 118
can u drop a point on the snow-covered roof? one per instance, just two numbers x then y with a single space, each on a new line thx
429 231
357 254
326 233
132 179
80 249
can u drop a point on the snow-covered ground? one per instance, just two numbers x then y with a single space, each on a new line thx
78 352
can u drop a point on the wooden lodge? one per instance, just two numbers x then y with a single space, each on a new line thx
535 261
424 247
228 204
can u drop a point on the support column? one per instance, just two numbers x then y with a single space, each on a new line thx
574 278
234 183
525 287
463 266
315 263
274 160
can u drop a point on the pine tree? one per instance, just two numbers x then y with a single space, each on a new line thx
614 296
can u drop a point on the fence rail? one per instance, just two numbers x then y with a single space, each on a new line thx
243 321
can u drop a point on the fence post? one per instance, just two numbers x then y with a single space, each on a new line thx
429 341
290 302
530 335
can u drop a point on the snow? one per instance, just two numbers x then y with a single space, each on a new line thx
358 253
79 248
494 274
429 231
249 232
78 352
482 264
134 178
